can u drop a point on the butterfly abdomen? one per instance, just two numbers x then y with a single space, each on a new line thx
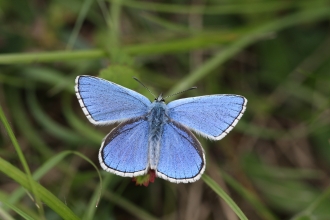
156 119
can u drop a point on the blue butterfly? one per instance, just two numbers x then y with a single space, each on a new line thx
153 135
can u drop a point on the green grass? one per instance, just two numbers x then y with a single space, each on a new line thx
273 165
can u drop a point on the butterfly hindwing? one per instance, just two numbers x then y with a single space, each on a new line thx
181 158
124 150
211 116
105 102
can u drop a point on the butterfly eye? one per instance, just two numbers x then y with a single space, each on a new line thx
162 100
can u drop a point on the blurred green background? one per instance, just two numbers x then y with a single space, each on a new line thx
276 53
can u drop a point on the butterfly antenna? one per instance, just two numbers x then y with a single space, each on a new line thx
194 87
144 86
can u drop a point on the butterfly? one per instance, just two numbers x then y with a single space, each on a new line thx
155 135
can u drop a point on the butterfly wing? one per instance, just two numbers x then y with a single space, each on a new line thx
105 102
211 116
124 151
181 158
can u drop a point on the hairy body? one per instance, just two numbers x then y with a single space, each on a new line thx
157 117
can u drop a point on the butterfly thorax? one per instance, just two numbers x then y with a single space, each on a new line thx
156 118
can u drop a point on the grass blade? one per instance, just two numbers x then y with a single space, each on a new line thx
47 197
23 161
215 187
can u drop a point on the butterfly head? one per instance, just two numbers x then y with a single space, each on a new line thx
160 98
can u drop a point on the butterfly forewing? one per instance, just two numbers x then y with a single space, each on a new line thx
124 150
211 116
104 102
181 158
